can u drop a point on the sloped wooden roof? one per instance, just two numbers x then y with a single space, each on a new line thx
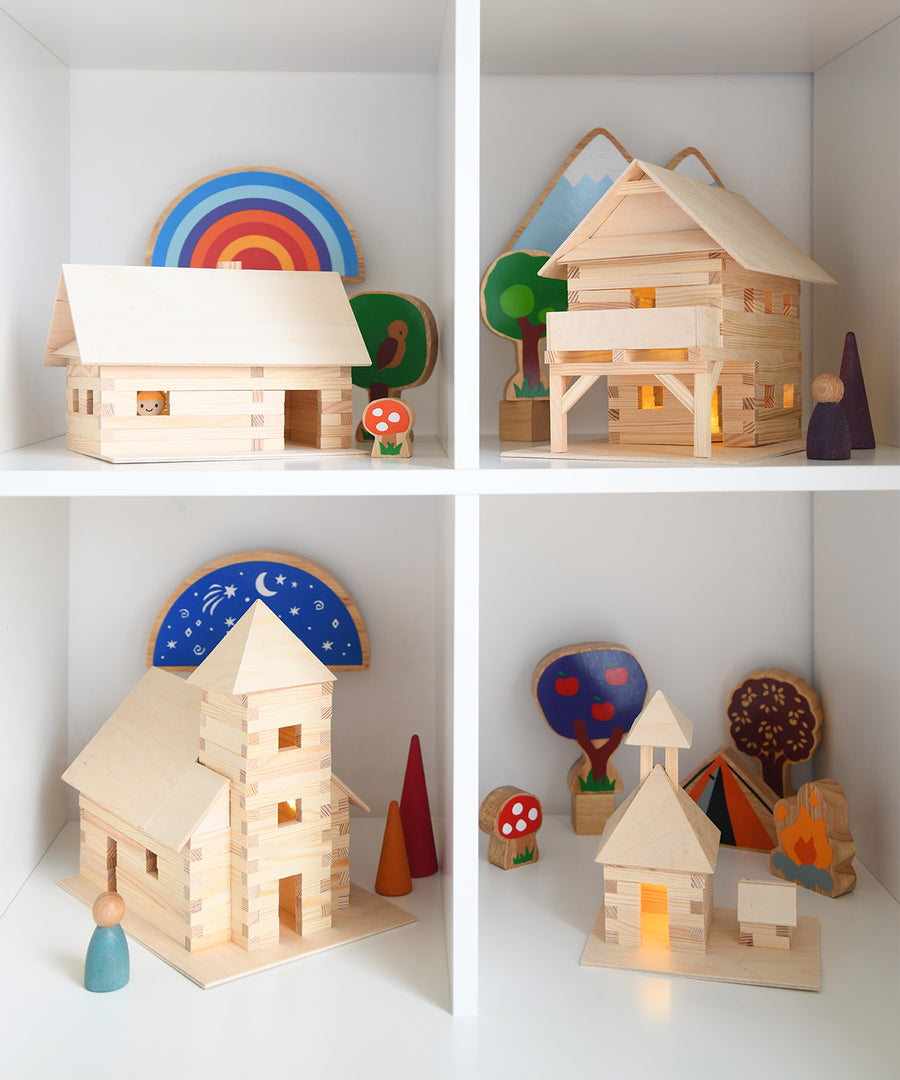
662 204
259 653
179 316
661 724
142 764
660 827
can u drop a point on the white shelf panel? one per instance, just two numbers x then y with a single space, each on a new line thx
329 1012
560 1018
48 469
267 35
867 470
658 37
353 1010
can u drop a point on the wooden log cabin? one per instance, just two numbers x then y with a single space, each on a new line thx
182 364
686 299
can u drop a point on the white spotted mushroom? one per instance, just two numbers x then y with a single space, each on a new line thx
511 817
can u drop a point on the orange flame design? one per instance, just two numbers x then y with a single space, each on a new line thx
806 841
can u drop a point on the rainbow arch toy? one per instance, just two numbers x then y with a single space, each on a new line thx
266 219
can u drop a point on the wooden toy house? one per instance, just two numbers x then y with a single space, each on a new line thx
167 363
767 913
686 299
209 803
659 849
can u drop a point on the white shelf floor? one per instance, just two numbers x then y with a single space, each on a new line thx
379 1007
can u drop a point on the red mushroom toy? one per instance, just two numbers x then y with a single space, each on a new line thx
511 817
390 421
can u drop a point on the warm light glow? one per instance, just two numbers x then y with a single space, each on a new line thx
656 999
716 409
654 915
650 397
788 395
643 298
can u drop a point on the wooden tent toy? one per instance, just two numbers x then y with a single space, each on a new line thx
767 913
209 804
686 299
511 818
240 364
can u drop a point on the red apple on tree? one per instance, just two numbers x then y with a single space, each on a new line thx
566 686
603 710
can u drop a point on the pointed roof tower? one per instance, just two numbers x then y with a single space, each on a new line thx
259 653
660 827
664 725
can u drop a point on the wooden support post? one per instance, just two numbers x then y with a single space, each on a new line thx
559 437
646 762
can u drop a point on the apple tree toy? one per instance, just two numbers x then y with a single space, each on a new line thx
511 817
106 965
591 693
390 421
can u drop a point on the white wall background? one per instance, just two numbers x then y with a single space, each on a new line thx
130 554
34 231
34 645
856 631
755 131
703 589
141 137
857 220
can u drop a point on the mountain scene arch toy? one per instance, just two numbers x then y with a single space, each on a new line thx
264 218
592 693
306 597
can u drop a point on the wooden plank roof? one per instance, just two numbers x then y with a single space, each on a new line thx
179 316
142 764
663 202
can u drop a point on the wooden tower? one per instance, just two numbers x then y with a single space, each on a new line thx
266 725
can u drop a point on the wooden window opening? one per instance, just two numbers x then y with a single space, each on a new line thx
650 397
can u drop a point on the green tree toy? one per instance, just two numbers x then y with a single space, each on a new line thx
514 305
400 335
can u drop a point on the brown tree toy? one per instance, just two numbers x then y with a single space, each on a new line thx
390 421
511 817
777 718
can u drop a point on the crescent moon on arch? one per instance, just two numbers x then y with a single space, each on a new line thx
261 585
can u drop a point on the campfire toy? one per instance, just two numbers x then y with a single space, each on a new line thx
511 817
815 847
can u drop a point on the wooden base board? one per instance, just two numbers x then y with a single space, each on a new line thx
725 960
600 450
366 915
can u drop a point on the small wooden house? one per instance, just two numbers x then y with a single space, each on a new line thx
686 299
659 849
767 913
167 363
209 803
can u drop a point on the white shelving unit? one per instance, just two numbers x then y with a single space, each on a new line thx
435 125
